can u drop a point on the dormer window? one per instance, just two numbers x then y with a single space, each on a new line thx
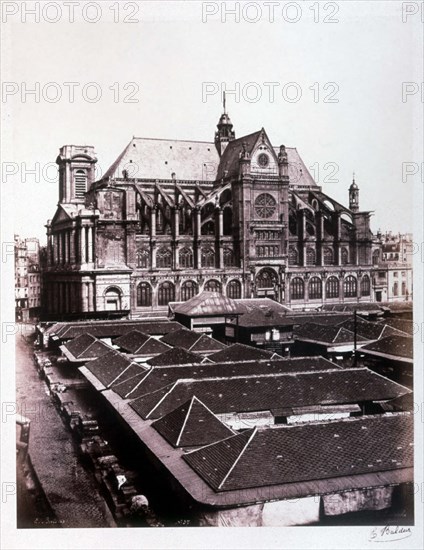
80 183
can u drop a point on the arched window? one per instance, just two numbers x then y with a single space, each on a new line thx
297 289
315 288
228 257
310 256
266 279
332 288
344 253
365 286
234 289
328 256
80 183
228 221
143 258
113 299
395 289
188 290
403 288
213 286
186 257
350 287
163 258
166 293
144 295
293 255
208 257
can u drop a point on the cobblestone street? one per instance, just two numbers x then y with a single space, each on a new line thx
69 488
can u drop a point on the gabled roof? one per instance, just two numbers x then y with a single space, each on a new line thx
241 352
159 377
192 424
152 346
192 341
369 329
131 341
289 454
402 403
123 388
175 356
149 158
395 347
263 317
326 335
229 163
84 348
111 366
207 303
266 392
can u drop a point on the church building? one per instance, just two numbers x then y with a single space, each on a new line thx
171 218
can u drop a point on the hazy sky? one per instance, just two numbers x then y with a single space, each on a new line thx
361 60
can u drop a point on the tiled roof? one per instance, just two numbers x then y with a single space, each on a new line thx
207 303
326 335
163 376
272 391
368 329
206 344
175 356
369 307
241 352
123 388
402 403
192 424
398 346
183 338
111 329
108 368
131 341
404 325
262 317
290 454
78 345
246 305
160 158
152 347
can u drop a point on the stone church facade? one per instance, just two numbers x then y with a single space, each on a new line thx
171 218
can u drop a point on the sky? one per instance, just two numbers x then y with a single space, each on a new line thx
337 71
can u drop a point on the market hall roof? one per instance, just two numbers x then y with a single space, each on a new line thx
207 303
291 454
399 348
268 392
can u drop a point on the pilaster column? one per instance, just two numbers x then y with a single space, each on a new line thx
84 295
90 244
90 296
82 246
72 258
153 222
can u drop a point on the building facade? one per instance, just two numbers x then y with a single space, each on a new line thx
28 279
171 218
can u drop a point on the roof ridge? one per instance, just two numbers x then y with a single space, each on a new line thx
252 435
192 346
185 421
162 398
127 396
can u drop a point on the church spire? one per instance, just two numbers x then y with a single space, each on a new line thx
354 195
225 132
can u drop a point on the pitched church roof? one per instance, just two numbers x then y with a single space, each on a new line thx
160 158
192 424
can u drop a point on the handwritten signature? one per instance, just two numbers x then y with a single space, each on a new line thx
389 533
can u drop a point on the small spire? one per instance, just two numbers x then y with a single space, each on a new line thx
353 178
223 101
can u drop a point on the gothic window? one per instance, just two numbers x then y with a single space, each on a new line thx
163 258
166 293
293 255
208 257
350 287
186 257
213 286
160 223
228 221
208 228
292 224
297 289
332 287
266 279
395 288
310 229
310 256
80 183
234 289
365 286
344 256
143 258
328 256
144 295
265 205
188 290
315 288
228 257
